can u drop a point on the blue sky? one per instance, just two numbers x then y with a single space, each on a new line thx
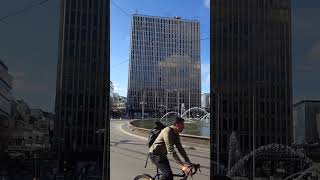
121 11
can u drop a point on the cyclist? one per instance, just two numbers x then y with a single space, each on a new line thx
163 145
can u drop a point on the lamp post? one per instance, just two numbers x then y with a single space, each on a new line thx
142 103
254 127
164 107
35 166
99 131
253 137
142 113
218 135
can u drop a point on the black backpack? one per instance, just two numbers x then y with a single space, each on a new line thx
154 133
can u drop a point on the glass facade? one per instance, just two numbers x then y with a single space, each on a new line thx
82 77
164 69
251 52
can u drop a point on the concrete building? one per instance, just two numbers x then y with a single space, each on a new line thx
119 102
6 81
111 89
306 120
119 106
82 90
205 100
252 72
164 64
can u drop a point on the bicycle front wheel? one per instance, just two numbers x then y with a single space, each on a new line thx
143 177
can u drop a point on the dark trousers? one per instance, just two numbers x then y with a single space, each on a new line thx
163 165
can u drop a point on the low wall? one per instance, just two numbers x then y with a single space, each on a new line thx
184 137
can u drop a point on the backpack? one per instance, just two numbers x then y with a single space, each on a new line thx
154 133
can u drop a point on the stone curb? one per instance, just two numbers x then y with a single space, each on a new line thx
184 137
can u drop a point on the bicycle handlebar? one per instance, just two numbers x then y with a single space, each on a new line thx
196 167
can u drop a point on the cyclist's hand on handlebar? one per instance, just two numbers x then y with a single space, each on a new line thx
186 169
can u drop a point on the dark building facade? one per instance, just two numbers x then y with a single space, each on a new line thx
251 72
82 89
164 68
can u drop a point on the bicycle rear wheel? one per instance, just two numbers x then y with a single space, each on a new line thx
143 177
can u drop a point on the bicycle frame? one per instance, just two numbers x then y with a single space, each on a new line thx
157 176
183 175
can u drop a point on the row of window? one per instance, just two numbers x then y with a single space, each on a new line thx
163 37
245 141
262 125
145 44
81 19
162 20
83 35
166 29
82 5
73 50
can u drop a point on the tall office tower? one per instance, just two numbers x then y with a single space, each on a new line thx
205 100
164 69
251 53
82 89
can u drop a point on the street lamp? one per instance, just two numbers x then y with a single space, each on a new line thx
142 113
218 135
35 166
99 131
164 107
253 127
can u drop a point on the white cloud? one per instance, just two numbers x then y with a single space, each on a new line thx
120 89
205 74
205 68
206 3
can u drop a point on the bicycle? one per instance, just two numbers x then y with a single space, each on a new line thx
196 167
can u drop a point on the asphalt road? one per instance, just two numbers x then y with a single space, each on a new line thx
129 153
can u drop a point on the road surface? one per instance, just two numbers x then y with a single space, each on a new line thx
129 152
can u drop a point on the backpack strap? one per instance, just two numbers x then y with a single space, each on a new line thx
145 166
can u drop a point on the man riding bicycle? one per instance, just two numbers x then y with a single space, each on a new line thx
163 145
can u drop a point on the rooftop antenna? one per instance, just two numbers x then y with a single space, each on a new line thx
135 11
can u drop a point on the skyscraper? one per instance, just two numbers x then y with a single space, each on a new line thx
251 52
82 90
205 100
164 68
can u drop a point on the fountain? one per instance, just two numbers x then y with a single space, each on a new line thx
313 171
196 125
271 150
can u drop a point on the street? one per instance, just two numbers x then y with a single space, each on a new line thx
129 153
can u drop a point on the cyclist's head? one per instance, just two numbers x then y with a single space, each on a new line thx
179 124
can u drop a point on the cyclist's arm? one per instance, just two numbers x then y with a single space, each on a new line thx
181 150
168 140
